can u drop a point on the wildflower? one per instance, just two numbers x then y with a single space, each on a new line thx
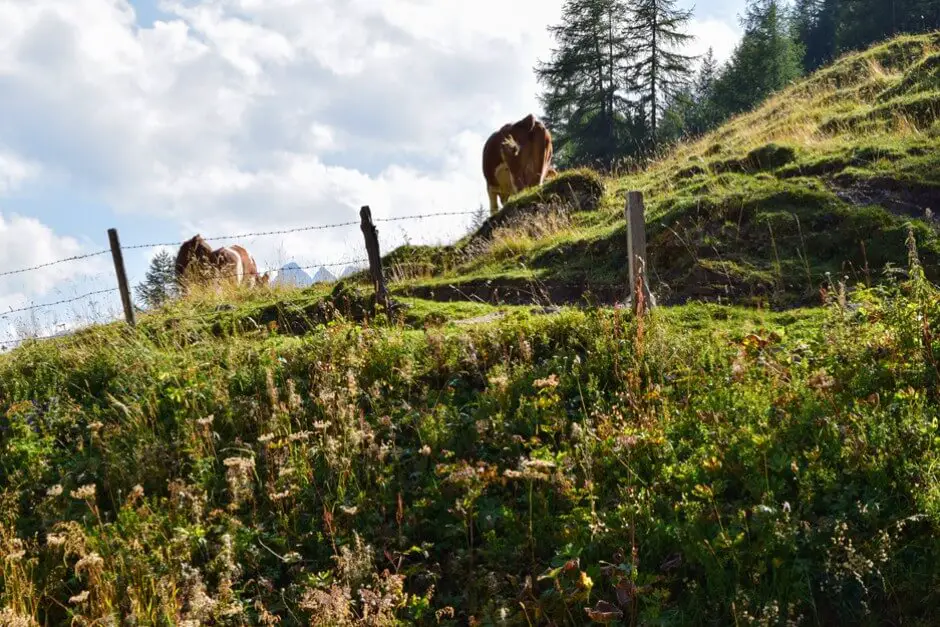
821 381
205 422
137 492
279 496
55 490
84 493
525 348
500 381
239 462
12 619
425 450
577 433
91 563
300 436
55 539
79 598
626 442
238 474
538 464
292 557
265 438
549 382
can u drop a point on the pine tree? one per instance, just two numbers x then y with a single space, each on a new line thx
707 74
704 114
766 60
160 281
810 31
479 217
678 118
585 88
862 23
659 73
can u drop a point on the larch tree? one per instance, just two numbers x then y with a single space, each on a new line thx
659 72
585 83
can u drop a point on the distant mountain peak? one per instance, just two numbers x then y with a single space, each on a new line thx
292 274
348 270
323 276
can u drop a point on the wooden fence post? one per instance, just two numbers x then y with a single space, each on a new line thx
121 276
375 258
634 212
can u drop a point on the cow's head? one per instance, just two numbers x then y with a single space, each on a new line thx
522 130
194 254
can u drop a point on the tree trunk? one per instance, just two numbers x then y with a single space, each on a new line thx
654 75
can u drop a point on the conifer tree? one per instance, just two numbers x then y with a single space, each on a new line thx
658 72
705 114
585 83
766 60
159 283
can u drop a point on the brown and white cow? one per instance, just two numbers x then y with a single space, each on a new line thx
525 148
196 261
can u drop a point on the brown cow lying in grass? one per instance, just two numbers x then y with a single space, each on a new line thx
525 148
197 262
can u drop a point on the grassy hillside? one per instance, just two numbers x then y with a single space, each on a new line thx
822 178
279 456
706 465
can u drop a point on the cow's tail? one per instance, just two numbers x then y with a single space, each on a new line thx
547 162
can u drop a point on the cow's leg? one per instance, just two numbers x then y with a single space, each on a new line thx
493 193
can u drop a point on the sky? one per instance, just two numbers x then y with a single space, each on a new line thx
167 118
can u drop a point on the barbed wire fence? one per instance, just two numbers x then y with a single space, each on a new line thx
636 248
122 288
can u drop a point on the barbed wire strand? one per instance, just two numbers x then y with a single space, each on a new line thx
58 302
320 227
336 264
421 216
54 263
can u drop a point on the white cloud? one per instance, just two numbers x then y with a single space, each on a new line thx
26 242
14 171
248 115
718 35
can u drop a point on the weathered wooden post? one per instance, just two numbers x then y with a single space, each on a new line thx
634 212
371 235
118 257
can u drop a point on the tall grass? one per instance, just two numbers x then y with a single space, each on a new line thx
708 465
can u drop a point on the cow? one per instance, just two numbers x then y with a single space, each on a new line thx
528 161
197 261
